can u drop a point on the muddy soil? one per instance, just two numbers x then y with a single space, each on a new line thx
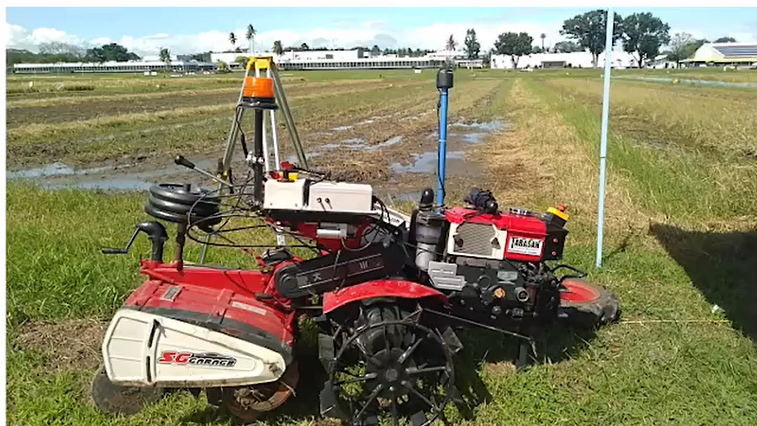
104 106
398 165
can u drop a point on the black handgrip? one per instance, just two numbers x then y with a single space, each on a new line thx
113 251
180 160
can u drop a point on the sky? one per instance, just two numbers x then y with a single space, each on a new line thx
192 30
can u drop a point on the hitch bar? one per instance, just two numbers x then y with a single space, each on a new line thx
484 326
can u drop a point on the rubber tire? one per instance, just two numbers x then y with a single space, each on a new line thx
603 310
124 400
170 202
201 209
175 192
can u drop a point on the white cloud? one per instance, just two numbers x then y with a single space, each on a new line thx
342 34
710 34
21 38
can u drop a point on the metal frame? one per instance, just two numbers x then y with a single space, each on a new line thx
255 66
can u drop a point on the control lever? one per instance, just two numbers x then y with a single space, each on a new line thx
181 161
156 233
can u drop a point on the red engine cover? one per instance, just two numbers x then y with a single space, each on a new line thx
526 235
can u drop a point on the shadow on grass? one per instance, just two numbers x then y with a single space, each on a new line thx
723 266
553 344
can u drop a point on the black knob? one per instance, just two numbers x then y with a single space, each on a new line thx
427 199
180 160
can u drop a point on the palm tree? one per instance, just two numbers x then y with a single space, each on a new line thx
232 40
451 43
278 49
543 36
250 36
165 56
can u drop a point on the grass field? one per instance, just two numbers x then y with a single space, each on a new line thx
681 230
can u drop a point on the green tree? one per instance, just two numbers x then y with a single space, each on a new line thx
725 40
233 40
451 43
643 34
682 46
278 49
542 37
472 46
375 50
304 46
62 49
242 60
200 57
513 44
250 36
110 52
589 30
165 56
566 47
487 59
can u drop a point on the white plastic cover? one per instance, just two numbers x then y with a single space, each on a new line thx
142 349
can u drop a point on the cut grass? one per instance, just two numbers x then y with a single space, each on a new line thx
683 184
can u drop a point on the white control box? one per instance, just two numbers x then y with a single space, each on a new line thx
321 196
340 197
284 195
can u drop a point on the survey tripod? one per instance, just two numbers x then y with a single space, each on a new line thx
262 93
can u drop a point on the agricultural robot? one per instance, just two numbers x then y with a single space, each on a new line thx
389 292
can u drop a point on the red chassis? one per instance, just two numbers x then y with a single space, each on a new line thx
238 296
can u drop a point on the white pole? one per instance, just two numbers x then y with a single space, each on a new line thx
265 141
603 141
276 164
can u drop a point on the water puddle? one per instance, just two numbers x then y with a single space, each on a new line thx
59 175
108 183
141 175
426 162
487 126
354 141
387 143
714 83
56 169
474 138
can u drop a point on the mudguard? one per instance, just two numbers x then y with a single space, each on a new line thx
380 288
144 349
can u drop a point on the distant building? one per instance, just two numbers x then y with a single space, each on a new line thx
620 60
724 54
113 67
469 63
